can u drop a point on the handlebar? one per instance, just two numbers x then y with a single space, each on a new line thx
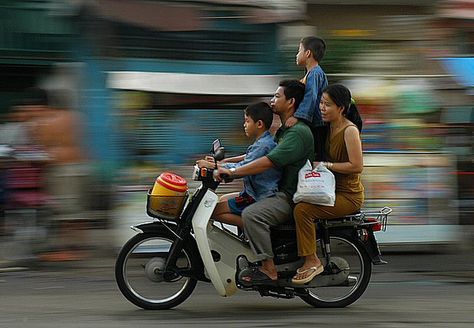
210 175
204 174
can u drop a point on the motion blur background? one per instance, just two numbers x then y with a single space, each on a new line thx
156 81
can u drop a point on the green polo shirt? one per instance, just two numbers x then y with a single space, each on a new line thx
295 146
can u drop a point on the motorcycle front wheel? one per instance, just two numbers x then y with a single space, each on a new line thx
350 257
140 276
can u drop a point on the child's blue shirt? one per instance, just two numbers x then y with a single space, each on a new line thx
308 109
265 184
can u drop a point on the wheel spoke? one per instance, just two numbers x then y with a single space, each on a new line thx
351 273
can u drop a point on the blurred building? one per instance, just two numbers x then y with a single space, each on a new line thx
188 62
455 23
159 80
138 45
31 41
409 65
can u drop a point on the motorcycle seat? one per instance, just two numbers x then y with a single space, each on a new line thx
290 225
287 226
342 220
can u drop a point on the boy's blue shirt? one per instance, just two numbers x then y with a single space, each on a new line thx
265 184
308 109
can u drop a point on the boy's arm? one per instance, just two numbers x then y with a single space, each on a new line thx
254 152
257 166
234 159
283 154
208 161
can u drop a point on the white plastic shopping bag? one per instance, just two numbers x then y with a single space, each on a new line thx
315 186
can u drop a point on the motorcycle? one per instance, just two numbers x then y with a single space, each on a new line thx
160 266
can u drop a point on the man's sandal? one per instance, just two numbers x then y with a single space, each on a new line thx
254 276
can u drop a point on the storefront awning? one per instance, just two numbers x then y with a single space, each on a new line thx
200 84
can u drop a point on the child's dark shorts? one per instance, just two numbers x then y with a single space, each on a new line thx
237 204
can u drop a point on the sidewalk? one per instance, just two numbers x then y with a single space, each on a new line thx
99 252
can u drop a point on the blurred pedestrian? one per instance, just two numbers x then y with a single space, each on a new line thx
310 54
14 130
22 189
13 133
58 130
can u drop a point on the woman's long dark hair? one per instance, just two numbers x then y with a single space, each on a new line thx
342 98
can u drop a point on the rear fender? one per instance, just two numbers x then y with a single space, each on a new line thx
367 239
372 248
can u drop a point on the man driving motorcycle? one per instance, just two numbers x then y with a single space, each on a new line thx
295 146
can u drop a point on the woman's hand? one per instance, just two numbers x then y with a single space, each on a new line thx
327 165
315 164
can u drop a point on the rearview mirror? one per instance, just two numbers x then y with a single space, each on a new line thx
219 154
217 151
216 144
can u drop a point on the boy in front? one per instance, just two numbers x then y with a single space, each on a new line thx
258 119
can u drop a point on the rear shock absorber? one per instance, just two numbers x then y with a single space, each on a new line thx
325 243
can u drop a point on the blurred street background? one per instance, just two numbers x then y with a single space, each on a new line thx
98 97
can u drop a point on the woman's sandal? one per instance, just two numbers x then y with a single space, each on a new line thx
313 272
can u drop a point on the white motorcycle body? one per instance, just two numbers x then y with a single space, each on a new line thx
225 246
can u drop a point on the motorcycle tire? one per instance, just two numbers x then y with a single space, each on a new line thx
351 250
139 275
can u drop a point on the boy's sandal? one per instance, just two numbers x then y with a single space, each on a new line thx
313 272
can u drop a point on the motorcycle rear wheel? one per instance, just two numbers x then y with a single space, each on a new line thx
139 274
360 269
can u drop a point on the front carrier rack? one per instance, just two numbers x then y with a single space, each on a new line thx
165 207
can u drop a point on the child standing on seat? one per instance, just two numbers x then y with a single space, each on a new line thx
310 53
258 119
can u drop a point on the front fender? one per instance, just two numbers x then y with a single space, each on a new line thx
155 227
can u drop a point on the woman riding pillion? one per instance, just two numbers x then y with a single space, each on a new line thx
344 154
